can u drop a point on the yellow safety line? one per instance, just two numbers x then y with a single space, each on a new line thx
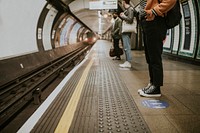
67 117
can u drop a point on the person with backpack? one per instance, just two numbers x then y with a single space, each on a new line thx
127 16
154 32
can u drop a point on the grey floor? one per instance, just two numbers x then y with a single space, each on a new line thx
181 91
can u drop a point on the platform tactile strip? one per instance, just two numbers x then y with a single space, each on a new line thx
117 111
106 105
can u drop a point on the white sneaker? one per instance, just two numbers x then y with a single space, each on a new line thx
126 64
145 88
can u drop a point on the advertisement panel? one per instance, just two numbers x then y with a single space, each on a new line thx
189 31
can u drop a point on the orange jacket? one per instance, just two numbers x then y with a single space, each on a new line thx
161 8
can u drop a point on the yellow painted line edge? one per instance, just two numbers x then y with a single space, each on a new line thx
67 117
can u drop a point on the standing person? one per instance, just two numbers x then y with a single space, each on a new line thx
116 34
127 16
154 32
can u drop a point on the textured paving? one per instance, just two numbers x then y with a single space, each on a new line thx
105 104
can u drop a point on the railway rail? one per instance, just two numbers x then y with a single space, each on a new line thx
26 89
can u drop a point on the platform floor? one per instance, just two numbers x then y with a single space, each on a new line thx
176 111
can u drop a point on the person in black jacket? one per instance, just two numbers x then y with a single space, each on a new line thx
116 35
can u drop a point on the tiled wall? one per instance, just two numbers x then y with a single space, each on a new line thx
183 39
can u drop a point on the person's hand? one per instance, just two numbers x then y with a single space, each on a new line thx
112 34
150 16
142 14
121 14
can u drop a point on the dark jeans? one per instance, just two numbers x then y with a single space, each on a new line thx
154 32
116 46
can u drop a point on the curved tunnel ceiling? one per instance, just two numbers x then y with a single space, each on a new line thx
98 21
93 19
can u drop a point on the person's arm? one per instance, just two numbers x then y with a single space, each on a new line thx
160 9
163 7
120 27
117 30
129 17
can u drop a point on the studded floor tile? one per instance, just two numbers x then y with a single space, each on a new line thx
106 105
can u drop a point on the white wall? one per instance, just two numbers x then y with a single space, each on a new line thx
78 5
73 34
18 22
47 27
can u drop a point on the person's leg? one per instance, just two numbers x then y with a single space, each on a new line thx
127 47
154 31
149 65
147 58
127 50
115 45
117 48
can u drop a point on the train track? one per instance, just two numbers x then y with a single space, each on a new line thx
18 94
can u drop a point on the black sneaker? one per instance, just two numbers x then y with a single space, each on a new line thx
151 92
145 88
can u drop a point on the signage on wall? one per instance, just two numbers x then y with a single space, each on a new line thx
157 104
102 4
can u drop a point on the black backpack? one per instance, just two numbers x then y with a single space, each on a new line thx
173 16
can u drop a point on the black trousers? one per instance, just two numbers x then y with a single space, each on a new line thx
154 32
116 46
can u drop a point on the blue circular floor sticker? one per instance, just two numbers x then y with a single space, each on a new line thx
158 104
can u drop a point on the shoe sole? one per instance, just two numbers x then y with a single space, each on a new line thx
140 90
141 93
124 67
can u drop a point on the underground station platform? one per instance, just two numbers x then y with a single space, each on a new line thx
99 96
